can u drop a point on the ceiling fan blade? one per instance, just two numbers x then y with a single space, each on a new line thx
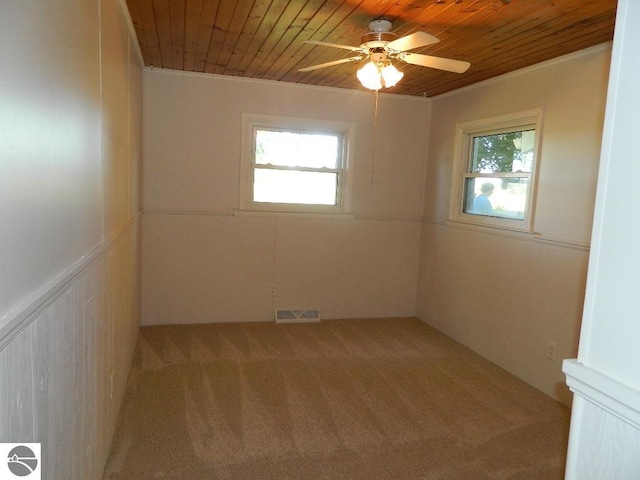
411 41
334 45
455 66
329 64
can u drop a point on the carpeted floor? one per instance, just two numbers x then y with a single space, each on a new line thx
341 399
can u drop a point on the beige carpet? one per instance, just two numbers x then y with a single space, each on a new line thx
342 399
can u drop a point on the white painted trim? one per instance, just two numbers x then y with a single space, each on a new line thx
261 213
491 229
421 98
608 393
18 318
388 218
132 31
231 78
346 130
280 214
169 211
463 136
535 237
561 242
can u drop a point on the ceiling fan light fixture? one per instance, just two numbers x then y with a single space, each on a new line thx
376 75
380 46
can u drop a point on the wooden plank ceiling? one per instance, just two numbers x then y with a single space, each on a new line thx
264 38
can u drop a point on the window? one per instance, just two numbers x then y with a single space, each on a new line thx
294 165
494 175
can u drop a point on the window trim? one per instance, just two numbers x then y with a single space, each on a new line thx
465 132
251 122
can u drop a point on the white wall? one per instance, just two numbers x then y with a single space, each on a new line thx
70 125
202 264
505 295
605 423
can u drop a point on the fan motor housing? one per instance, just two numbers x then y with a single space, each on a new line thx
379 34
377 39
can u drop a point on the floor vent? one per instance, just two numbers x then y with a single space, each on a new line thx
297 316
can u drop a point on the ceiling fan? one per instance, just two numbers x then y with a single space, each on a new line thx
380 46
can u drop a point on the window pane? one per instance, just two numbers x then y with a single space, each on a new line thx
496 197
288 186
289 149
503 152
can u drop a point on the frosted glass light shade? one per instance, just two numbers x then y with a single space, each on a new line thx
391 75
369 76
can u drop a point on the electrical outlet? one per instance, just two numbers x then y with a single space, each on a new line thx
272 290
551 350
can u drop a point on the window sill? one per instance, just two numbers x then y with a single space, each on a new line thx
286 214
536 237
492 229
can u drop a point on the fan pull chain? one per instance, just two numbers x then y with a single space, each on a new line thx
375 135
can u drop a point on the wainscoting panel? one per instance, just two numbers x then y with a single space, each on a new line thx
602 446
62 377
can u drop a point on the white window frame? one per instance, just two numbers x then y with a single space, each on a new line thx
465 132
252 122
